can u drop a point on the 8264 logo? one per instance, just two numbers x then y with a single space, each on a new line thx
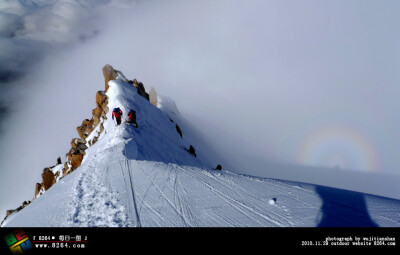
18 241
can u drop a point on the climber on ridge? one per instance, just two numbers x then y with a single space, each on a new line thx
117 113
132 117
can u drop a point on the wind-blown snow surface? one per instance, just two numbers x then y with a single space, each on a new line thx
145 177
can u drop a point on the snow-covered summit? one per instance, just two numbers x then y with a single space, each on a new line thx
146 177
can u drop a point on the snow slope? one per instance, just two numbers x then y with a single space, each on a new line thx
145 178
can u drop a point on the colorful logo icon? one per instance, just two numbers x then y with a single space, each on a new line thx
18 241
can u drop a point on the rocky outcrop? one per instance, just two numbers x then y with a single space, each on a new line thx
192 151
37 189
140 89
82 129
95 124
101 110
178 129
48 178
76 160
111 74
153 96
75 154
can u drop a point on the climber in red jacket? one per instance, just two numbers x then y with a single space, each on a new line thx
117 113
132 117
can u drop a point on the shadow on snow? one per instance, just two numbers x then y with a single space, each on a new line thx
341 208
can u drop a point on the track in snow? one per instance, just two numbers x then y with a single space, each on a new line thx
132 193
95 205
205 199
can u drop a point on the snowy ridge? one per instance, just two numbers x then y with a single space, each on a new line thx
144 177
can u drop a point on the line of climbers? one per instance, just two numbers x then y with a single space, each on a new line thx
117 113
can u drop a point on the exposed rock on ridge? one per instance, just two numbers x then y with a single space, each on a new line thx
111 74
153 97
